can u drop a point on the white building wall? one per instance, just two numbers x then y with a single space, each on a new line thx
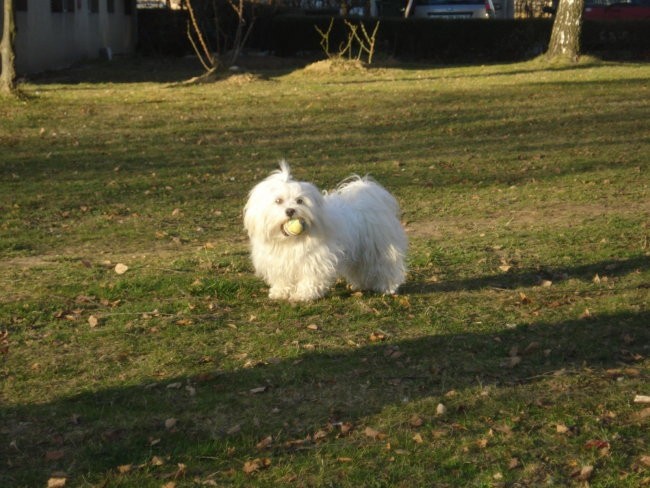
52 40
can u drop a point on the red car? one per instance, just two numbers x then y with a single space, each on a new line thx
630 10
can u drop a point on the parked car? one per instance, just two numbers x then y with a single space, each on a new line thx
620 10
454 9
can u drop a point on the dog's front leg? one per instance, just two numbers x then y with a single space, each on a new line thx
279 292
308 290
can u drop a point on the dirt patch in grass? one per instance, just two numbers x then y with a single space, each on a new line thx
335 66
557 215
26 262
229 77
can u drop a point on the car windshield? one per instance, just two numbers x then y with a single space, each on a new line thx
449 2
606 3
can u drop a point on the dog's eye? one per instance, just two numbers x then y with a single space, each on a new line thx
279 201
300 201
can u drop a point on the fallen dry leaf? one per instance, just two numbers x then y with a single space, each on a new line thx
513 463
503 429
513 361
596 444
416 421
259 389
346 427
375 434
170 423
344 460
377 337
417 438
157 461
439 433
181 469
54 455
264 443
641 415
533 346
257 464
56 482
4 342
124 468
441 409
318 435
93 321
121 268
642 399
616 372
584 474
561 429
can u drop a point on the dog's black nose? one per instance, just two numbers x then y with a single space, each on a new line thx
290 212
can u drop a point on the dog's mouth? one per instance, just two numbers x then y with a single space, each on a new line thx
293 227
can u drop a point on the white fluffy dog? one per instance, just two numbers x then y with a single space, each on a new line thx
302 239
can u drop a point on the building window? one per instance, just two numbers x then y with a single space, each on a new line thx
93 6
110 6
20 5
62 5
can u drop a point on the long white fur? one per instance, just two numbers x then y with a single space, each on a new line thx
353 232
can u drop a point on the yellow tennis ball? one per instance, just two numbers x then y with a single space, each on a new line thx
293 227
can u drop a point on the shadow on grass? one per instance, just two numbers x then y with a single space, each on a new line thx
494 69
140 69
96 431
532 277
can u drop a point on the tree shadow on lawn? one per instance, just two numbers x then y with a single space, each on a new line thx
528 277
151 69
94 432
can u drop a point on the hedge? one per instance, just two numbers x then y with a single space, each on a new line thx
431 40
422 39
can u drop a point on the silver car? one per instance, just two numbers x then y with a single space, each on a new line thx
454 9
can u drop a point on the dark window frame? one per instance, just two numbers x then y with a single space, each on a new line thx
62 6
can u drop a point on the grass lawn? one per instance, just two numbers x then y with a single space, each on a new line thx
512 356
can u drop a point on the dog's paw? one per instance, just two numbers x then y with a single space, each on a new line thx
307 293
277 293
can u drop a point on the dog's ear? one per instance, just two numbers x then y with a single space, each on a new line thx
251 224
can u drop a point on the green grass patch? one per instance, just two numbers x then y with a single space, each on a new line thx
511 357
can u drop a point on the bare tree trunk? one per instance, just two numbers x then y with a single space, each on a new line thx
241 36
8 75
565 37
407 10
